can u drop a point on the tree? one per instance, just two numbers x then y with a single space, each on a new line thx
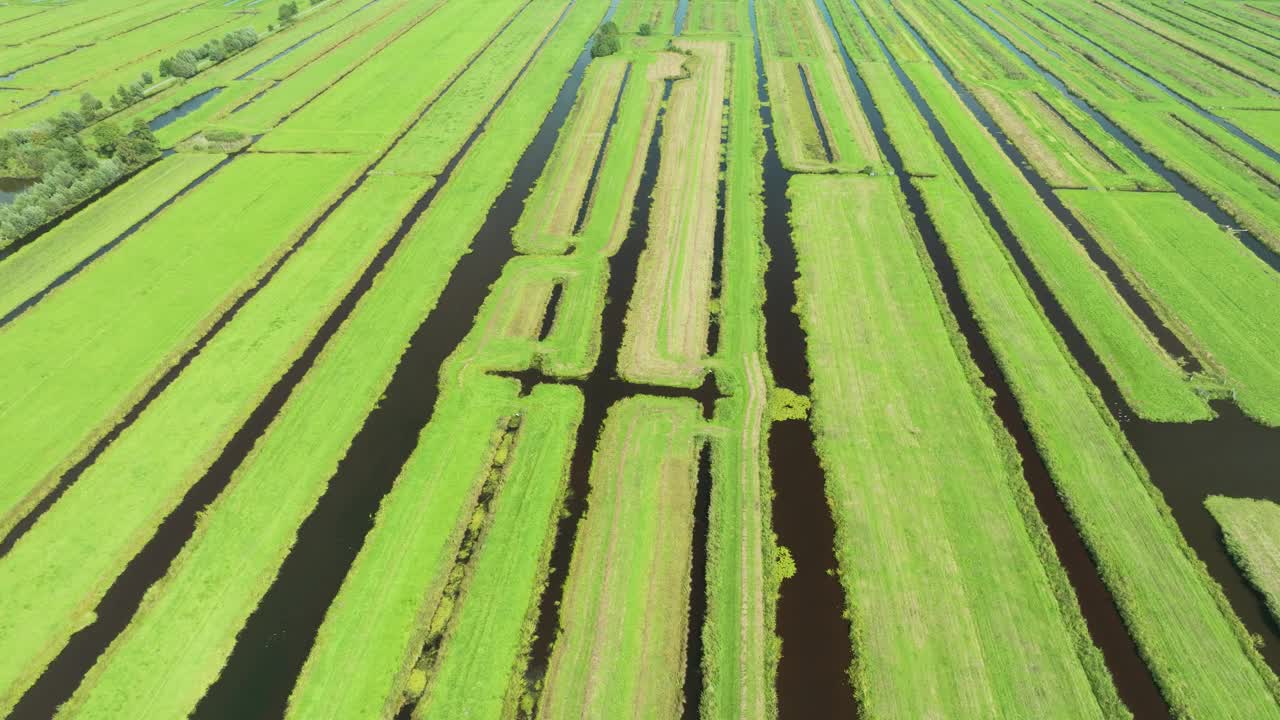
606 40
138 147
106 136
89 106
646 29
287 11
147 79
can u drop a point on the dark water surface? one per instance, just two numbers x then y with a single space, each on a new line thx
817 652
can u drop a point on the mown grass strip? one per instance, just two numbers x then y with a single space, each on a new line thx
507 328
1198 650
1203 278
286 473
169 447
668 313
799 142
77 360
898 416
800 35
1251 531
620 651
35 266
1152 382
608 215
479 670
1190 75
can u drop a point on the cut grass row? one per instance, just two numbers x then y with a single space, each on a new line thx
1227 48
1161 129
739 644
1199 652
714 16
798 137
78 360
609 209
1203 278
659 14
106 58
69 558
1190 75
35 266
1251 530
1154 385
244 536
898 415
620 651
316 77
429 145
668 314
324 56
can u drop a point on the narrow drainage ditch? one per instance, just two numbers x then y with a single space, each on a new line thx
817 649
697 588
184 109
814 114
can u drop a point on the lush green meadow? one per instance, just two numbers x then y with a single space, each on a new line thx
728 359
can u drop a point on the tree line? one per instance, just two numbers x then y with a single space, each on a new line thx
71 171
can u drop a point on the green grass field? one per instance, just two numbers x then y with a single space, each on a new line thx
669 308
887 380
1251 530
717 359
201 255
